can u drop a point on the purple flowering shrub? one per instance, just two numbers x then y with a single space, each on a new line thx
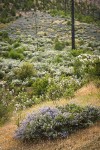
51 123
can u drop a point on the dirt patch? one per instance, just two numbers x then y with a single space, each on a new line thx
87 139
89 89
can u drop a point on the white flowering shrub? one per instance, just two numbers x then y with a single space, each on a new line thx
51 123
54 91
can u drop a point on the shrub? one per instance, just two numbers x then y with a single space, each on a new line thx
51 123
4 34
40 86
59 45
72 108
77 68
20 50
25 71
58 59
69 23
87 19
77 52
69 93
53 91
15 55
16 44
93 71
2 74
53 12
23 100
3 113
13 11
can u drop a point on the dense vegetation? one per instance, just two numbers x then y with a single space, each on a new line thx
87 11
51 123
26 78
37 64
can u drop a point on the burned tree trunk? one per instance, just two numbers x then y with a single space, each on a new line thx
73 24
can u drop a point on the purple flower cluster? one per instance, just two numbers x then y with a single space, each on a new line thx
50 111
50 123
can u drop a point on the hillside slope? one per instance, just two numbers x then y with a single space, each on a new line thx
48 52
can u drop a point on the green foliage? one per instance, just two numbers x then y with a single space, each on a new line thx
16 44
15 55
17 51
5 110
25 71
13 11
59 122
94 72
53 12
5 37
58 59
54 91
4 34
37 100
2 74
40 86
59 45
72 108
69 23
77 52
6 105
23 100
69 93
77 68
3 113
87 19
83 18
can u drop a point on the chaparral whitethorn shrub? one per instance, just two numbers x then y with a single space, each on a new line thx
51 123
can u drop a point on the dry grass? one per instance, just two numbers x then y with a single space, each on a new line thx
2 25
88 95
87 139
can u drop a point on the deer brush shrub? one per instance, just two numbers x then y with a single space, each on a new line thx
51 123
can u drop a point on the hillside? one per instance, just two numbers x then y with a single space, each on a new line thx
29 46
10 10
39 68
